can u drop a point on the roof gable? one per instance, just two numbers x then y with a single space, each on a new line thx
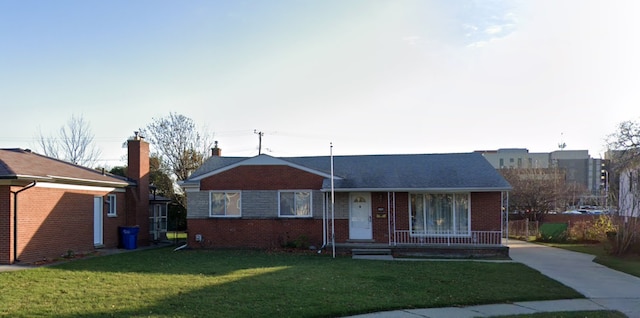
23 164
216 164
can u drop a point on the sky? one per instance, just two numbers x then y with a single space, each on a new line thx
367 76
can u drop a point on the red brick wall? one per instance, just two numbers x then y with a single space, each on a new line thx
262 178
111 224
402 211
6 225
341 227
54 221
138 169
269 233
380 224
485 211
273 233
569 218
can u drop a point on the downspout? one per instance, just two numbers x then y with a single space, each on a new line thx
15 219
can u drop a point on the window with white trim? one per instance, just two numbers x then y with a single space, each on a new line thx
440 213
111 203
295 204
225 203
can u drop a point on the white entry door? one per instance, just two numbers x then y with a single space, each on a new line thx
97 221
360 216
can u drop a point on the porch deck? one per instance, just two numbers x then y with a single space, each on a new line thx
424 250
479 244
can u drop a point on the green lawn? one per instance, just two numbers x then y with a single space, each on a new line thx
163 283
629 264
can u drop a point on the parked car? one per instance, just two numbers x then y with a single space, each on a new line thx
576 212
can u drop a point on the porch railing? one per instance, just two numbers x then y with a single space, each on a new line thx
474 238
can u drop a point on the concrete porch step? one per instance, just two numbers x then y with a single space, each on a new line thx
370 251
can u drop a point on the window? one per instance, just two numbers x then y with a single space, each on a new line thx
295 204
223 204
111 202
439 214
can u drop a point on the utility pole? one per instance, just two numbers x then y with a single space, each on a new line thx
260 134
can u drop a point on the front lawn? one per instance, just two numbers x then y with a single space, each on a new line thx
163 283
629 264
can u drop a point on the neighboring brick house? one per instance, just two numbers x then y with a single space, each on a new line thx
49 207
380 200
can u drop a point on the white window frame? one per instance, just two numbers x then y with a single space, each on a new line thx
112 210
225 215
310 192
453 215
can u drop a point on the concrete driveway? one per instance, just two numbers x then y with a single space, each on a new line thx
607 287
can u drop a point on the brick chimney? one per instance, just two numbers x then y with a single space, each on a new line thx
215 151
138 171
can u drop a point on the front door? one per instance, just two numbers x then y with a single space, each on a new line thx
97 221
360 216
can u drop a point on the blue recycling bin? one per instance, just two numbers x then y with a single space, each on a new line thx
129 236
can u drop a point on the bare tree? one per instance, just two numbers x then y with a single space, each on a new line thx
536 191
625 145
74 143
178 144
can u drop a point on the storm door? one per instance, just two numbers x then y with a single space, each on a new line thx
360 216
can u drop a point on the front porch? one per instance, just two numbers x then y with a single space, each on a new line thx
479 244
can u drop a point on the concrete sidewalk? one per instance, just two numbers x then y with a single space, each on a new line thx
604 286
519 308
605 289
10 268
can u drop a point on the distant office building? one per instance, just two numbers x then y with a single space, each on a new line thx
578 166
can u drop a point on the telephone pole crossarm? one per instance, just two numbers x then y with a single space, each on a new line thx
260 134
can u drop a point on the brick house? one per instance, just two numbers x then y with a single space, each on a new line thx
422 200
49 207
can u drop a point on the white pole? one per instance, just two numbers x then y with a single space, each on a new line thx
333 211
325 205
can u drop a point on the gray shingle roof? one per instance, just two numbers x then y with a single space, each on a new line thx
215 163
464 171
